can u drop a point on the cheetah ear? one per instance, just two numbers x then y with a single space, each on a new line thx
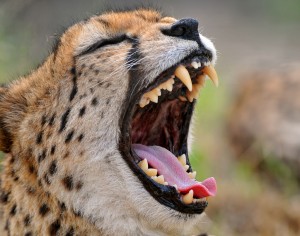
5 137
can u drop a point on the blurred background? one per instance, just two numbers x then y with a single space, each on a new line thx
236 124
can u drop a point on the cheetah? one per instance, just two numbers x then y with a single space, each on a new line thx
96 138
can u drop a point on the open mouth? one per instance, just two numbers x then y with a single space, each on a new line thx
154 135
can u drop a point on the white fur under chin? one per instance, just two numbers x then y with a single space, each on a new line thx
120 205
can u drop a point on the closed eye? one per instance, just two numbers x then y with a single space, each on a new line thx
104 42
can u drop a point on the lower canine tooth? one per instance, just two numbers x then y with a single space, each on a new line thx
151 172
144 102
188 198
182 73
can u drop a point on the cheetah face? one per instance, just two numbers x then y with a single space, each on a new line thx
166 62
115 101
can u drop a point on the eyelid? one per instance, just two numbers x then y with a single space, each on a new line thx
104 42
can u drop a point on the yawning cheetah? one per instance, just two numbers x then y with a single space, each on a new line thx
92 136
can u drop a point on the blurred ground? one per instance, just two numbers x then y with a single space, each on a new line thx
247 34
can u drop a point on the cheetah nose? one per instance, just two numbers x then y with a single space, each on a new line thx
185 28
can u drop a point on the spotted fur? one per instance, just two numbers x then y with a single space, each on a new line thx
63 173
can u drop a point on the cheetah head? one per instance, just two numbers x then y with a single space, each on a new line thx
107 118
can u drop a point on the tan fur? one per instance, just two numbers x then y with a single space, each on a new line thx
64 174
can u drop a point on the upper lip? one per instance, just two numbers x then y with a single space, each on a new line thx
166 195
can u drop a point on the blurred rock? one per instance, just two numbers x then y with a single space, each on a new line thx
264 124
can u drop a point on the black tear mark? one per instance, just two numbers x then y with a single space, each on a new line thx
54 227
75 87
69 136
42 156
39 137
53 168
82 111
44 209
64 120
68 182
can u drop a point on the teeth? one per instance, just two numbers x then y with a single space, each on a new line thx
152 95
186 167
151 172
144 165
182 159
182 73
195 65
212 74
199 200
192 175
199 64
188 198
159 179
166 183
175 186
144 102
191 95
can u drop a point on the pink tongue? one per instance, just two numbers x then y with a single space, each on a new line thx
168 166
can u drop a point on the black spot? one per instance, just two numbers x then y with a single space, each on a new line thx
68 182
92 66
62 206
67 154
52 149
16 178
31 169
39 137
94 101
52 119
30 190
44 120
79 185
82 111
46 179
108 101
92 90
42 156
77 213
75 88
80 137
53 168
70 232
64 120
27 220
44 209
28 234
107 85
13 210
4 197
54 227
69 136
96 72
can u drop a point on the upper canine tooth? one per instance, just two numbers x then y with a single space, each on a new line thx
195 65
182 159
143 164
212 74
199 64
182 73
188 198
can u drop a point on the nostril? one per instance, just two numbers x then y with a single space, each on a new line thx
178 31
